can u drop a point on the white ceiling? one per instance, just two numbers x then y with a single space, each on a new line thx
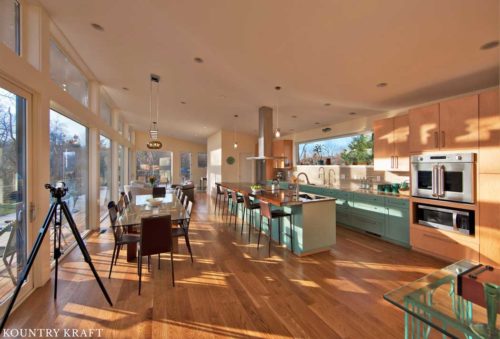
319 51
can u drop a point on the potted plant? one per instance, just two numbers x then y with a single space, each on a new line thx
152 180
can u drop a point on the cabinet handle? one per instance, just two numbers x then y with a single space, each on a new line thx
443 143
436 139
439 238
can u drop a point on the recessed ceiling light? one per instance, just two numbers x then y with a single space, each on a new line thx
328 104
294 116
125 88
352 113
183 102
204 126
291 130
236 115
198 60
97 27
277 88
490 45
382 84
316 123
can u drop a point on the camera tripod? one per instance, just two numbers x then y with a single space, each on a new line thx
56 212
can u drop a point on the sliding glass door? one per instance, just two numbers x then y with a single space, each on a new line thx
14 192
104 175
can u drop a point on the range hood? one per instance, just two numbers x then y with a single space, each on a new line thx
265 142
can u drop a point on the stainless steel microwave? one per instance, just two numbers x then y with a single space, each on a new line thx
444 218
444 176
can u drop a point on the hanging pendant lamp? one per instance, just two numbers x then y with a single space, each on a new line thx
154 143
235 142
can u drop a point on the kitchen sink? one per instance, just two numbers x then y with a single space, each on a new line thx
309 197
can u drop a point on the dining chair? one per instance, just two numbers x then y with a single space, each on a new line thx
185 201
183 229
125 199
121 237
250 207
159 192
181 196
178 192
155 238
130 196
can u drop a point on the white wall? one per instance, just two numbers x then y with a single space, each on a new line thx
214 160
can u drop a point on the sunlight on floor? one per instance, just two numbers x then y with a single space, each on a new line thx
305 283
97 313
345 285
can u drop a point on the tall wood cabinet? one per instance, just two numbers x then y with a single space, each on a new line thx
489 132
283 149
449 125
391 144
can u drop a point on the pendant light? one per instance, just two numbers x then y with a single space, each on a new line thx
154 143
277 134
235 142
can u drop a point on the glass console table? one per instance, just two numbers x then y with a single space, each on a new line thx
432 303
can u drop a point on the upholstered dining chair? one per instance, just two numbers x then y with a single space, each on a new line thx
183 229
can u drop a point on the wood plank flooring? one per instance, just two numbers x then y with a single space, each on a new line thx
232 290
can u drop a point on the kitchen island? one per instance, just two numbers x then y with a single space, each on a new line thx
314 217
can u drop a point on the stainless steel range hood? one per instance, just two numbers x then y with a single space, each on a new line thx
265 142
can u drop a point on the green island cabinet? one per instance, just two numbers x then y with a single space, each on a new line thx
383 216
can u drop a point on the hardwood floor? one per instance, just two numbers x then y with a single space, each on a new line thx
231 290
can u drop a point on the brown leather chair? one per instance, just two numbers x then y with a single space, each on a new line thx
183 229
266 212
156 238
236 200
249 206
120 235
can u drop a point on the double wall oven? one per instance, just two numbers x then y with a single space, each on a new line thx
444 176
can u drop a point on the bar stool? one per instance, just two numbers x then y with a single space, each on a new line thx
225 202
266 212
249 206
218 197
236 200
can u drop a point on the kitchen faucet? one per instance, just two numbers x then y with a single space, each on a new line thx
324 176
330 177
297 182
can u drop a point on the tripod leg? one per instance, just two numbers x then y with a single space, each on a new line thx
29 263
85 253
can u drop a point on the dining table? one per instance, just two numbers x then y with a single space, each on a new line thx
143 206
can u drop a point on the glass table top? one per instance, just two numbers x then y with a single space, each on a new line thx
141 208
433 301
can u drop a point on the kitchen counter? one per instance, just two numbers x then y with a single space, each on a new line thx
313 223
349 188
278 197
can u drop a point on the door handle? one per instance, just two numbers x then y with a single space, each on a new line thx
441 181
436 139
434 181
443 142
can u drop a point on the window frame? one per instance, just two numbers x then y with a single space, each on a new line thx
297 144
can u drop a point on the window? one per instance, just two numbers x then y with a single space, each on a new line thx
154 163
104 175
67 76
121 168
105 111
120 125
69 162
346 150
202 160
13 235
10 25
185 166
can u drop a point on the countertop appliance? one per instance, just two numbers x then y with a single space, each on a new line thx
444 218
444 176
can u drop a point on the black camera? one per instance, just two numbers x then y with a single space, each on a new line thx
58 190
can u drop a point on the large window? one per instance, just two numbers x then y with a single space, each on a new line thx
13 223
346 150
105 111
67 76
69 162
185 166
154 163
104 174
121 168
10 25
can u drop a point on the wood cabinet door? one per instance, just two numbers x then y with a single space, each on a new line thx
459 122
402 143
489 218
489 132
383 144
424 128
288 153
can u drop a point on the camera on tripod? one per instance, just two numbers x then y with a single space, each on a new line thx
57 191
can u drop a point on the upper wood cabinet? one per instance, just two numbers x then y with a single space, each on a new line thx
424 128
449 125
390 145
489 132
283 148
458 123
